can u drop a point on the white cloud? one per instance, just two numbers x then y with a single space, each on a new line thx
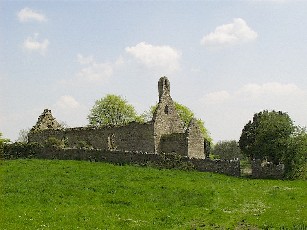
252 92
91 71
68 110
163 59
32 44
151 56
269 89
229 34
226 112
272 1
67 102
95 72
27 14
216 97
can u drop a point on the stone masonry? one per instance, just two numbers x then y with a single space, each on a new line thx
164 134
46 121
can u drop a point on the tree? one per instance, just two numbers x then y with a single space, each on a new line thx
295 160
185 114
112 110
267 136
23 135
2 143
205 133
227 150
3 140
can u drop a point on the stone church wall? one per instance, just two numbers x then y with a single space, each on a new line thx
195 141
174 143
166 119
132 137
166 126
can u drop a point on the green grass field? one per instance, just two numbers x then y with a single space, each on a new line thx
45 194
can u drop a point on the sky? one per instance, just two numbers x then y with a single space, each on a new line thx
226 60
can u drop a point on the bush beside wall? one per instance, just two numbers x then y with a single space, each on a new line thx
21 150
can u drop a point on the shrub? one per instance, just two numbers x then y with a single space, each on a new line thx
3 141
84 145
227 150
21 150
53 142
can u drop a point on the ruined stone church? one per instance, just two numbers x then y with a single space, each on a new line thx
165 133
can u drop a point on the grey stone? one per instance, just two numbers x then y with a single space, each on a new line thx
166 125
134 142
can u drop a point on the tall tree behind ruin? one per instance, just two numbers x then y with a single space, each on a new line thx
186 115
112 110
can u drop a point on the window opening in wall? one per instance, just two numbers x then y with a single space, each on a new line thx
166 83
166 110
111 142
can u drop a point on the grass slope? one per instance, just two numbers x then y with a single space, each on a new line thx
42 194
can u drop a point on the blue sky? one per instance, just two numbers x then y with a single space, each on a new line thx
226 60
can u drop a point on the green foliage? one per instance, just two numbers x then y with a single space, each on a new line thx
21 150
53 142
272 136
185 114
112 110
296 158
267 136
227 150
148 115
52 194
23 135
84 145
3 141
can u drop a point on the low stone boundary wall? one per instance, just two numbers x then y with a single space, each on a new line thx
267 170
231 168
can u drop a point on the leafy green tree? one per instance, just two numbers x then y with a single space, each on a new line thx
3 140
112 110
227 150
205 133
2 143
267 136
295 160
23 136
186 116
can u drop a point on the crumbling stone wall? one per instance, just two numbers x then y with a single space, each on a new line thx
189 144
174 143
166 119
267 170
132 137
166 126
195 141
46 121
231 168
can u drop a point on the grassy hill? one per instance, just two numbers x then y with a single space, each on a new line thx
45 194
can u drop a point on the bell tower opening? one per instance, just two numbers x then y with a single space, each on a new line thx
163 86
